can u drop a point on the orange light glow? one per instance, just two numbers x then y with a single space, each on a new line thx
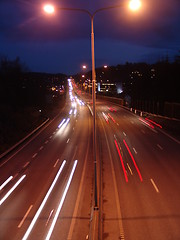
134 5
48 8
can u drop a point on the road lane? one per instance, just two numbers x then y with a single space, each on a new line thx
144 207
146 212
18 211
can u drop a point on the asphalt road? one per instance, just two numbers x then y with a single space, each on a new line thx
138 168
140 180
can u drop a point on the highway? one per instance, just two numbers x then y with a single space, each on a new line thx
47 184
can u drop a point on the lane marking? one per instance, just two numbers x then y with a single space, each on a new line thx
70 234
137 169
25 216
41 148
26 235
28 141
135 150
34 155
129 169
122 163
46 142
124 134
26 164
159 146
56 163
119 214
154 185
61 201
50 137
68 140
49 216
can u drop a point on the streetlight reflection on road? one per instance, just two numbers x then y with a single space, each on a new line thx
134 5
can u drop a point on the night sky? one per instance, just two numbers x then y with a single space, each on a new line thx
61 43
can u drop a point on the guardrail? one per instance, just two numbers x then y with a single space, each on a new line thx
22 140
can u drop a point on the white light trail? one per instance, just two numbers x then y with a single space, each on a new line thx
60 125
61 202
11 190
75 111
6 182
43 202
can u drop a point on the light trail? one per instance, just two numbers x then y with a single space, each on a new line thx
61 202
60 125
12 189
137 169
122 163
150 125
111 117
5 182
158 125
105 117
43 202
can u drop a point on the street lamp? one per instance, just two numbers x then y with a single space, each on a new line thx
133 5
84 66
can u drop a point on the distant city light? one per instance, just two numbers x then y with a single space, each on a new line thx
84 66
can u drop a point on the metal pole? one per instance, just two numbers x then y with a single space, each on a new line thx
94 111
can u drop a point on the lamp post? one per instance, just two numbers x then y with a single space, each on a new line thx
133 5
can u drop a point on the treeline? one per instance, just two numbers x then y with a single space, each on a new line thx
147 87
26 99
21 88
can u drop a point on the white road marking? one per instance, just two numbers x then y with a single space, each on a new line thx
135 150
34 155
49 216
41 148
154 185
25 165
46 142
56 162
25 216
43 202
159 146
129 169
61 202
50 137
124 134
68 140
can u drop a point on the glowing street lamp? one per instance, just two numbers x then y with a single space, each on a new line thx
48 8
134 5
84 66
